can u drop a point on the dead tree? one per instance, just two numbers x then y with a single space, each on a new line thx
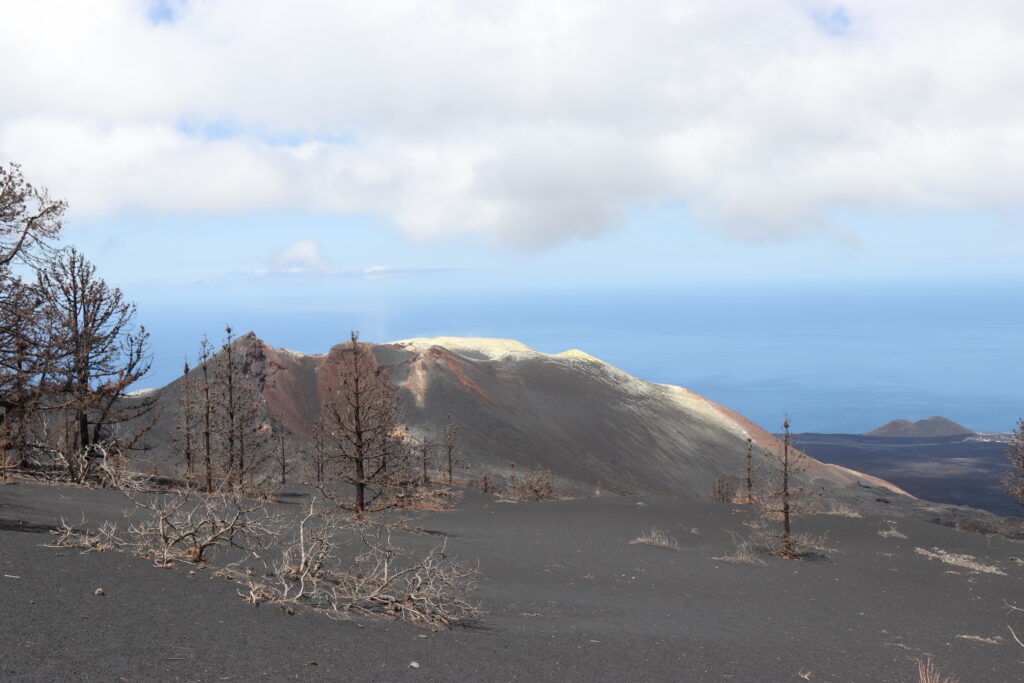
317 459
425 447
29 222
185 429
206 410
749 481
97 354
24 363
240 420
1013 481
29 219
451 435
778 499
359 427
787 473
282 457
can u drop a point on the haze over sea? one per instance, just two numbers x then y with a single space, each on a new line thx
834 358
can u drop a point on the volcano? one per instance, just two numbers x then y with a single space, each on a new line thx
594 426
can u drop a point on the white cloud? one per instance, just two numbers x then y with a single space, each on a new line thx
300 256
525 122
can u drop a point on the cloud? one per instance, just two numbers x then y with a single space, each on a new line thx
526 123
300 256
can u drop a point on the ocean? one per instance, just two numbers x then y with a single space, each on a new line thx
833 358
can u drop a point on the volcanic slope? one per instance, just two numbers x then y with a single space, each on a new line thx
933 426
592 425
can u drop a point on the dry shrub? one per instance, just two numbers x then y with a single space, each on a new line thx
484 483
766 535
383 580
998 640
723 488
742 553
927 672
185 525
810 544
300 565
67 536
431 500
957 560
536 485
432 590
657 537
840 509
892 531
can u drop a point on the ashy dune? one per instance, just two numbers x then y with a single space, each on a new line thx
566 593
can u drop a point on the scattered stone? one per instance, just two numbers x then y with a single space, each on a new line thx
414 665
99 591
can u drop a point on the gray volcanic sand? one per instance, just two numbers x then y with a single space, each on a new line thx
567 598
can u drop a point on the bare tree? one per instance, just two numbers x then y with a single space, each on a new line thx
29 219
425 447
777 502
97 354
184 437
317 459
788 470
240 416
1013 481
29 222
749 472
359 426
281 456
24 362
451 435
206 410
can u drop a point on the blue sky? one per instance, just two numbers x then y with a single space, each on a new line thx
824 185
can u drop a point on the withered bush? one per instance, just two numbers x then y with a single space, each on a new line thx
723 489
291 564
537 484
658 538
184 525
382 580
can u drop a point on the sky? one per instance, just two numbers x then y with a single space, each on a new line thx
789 206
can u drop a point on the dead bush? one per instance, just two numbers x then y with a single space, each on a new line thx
767 536
657 537
537 484
432 590
742 553
435 499
383 580
968 562
294 565
892 531
927 672
723 489
841 509
192 527
67 536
